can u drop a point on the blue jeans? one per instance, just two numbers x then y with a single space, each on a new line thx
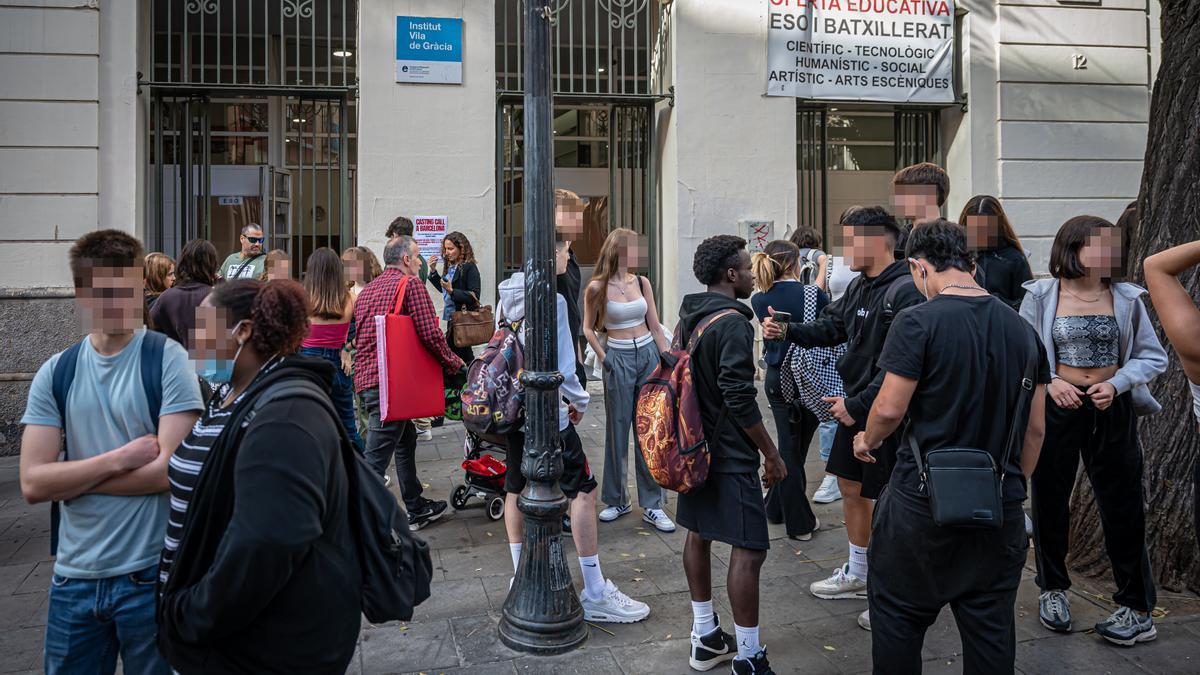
343 391
91 621
825 434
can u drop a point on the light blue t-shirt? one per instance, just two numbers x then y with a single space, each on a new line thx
104 535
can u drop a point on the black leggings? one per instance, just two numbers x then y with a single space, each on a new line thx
1112 457
787 500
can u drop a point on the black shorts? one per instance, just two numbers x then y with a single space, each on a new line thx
843 464
729 508
576 477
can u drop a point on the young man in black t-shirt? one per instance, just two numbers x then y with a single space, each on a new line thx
954 365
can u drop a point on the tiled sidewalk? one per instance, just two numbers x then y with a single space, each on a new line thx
455 630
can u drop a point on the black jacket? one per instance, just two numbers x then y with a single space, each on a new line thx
1002 271
466 281
858 319
266 578
723 373
569 283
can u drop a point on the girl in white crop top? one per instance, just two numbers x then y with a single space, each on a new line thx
620 321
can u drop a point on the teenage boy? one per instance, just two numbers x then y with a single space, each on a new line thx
111 483
398 437
568 224
918 191
861 319
602 600
403 227
729 507
249 262
956 367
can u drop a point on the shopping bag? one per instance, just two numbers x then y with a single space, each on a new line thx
410 378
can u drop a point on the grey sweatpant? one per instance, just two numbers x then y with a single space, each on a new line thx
625 371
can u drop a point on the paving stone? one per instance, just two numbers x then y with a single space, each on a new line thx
663 657
785 601
838 639
587 660
448 532
477 561
497 668
12 576
403 648
1076 653
448 599
22 611
479 641
32 549
21 649
1175 651
38 580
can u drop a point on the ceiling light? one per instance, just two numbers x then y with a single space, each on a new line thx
297 120
601 70
833 110
343 54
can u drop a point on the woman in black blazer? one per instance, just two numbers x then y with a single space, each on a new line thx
459 283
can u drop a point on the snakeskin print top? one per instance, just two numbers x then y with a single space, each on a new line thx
1086 341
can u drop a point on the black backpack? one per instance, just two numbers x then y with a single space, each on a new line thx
396 564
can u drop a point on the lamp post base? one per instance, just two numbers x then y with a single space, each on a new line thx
542 614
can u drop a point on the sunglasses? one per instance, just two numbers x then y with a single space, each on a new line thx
255 240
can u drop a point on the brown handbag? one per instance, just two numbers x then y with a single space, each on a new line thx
470 327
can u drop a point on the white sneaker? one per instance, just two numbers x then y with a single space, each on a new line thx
659 519
426 435
828 493
613 606
841 586
611 513
864 620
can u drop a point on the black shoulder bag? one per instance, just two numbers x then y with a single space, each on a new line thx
965 484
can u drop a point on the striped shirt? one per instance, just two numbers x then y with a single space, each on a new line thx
183 469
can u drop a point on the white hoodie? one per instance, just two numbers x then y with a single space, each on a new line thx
512 308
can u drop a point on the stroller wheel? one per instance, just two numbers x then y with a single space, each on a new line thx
458 498
495 508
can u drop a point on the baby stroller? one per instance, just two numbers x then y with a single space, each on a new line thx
484 473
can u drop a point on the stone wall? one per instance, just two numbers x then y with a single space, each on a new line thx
34 325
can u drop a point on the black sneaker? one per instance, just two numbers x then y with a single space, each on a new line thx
756 666
710 650
429 511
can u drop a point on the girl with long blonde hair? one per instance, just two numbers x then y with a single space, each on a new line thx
330 311
620 322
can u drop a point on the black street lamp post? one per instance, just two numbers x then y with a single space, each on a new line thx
541 614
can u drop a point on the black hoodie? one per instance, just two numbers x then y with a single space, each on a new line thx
723 373
858 319
266 578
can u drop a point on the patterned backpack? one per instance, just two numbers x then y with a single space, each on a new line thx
808 374
493 400
667 419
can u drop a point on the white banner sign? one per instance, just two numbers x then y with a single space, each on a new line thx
891 51
429 231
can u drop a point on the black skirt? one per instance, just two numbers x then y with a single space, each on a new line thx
729 508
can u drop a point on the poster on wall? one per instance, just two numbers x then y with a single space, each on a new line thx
429 50
888 51
429 231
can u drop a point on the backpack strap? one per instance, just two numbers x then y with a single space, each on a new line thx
694 338
153 345
237 274
889 296
63 376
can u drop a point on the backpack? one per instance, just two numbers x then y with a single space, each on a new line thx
493 400
809 265
396 564
889 298
809 374
63 376
669 428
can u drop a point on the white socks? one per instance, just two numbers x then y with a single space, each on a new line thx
747 641
703 620
593 578
515 551
858 561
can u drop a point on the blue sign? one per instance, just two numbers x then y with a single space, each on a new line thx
429 50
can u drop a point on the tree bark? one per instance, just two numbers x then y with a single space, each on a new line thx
1169 214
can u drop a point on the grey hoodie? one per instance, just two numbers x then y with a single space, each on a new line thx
512 308
1142 355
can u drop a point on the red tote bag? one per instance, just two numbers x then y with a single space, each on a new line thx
410 378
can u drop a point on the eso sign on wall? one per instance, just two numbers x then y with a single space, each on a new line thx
891 51
429 50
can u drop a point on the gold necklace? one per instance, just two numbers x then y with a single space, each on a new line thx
1073 295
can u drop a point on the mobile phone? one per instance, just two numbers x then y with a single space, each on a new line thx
783 318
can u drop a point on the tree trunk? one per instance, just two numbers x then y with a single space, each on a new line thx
1169 214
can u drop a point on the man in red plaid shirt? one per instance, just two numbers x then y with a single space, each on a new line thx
399 437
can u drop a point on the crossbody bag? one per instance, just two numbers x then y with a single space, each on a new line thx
965 484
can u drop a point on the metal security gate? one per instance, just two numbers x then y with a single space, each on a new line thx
251 118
